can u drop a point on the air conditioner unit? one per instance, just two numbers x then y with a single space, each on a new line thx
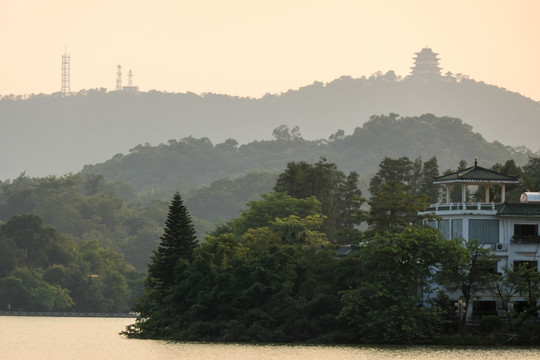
501 247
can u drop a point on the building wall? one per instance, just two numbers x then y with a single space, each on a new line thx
506 250
504 247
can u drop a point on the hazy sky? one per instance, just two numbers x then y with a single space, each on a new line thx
249 48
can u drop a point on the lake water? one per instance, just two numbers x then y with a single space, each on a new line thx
41 338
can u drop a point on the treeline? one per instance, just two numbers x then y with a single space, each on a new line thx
274 274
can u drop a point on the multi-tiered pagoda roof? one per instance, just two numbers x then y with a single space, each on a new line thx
426 65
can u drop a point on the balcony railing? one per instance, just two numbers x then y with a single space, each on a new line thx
461 207
525 239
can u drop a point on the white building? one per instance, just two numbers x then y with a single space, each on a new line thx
509 229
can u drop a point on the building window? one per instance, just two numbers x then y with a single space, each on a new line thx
444 228
457 229
528 264
526 233
484 231
432 224
495 268
451 229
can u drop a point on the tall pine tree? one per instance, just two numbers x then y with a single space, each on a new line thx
177 242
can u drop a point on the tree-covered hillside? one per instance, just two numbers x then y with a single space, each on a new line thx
190 162
120 203
50 134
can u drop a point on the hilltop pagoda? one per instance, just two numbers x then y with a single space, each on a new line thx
426 65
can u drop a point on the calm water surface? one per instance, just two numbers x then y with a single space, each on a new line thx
38 338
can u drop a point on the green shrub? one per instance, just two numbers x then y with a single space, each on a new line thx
490 323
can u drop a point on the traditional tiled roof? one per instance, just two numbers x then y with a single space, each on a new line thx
476 174
518 209
344 250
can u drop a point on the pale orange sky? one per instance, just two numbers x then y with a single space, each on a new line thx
249 48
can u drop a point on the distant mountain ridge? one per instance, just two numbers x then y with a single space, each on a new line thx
50 134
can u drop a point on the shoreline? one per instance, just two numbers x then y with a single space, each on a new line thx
67 314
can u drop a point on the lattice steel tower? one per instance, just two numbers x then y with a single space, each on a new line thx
65 74
119 78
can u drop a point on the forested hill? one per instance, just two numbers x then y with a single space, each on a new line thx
188 162
50 134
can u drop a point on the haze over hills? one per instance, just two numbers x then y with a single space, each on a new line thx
123 201
190 162
51 134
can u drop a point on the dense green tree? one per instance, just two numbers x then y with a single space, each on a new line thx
43 270
396 171
399 190
111 283
292 230
271 206
16 196
531 176
430 170
8 255
177 243
394 207
301 180
403 171
398 270
350 203
527 280
336 192
37 245
115 288
25 289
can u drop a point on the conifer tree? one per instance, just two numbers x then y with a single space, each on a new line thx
177 242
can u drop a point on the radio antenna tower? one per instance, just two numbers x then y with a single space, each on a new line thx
65 74
119 78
